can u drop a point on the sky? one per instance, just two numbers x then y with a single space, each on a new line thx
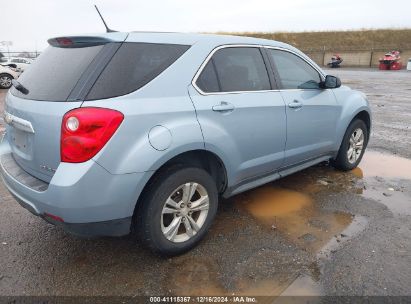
30 23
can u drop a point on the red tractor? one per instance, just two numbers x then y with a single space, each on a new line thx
391 61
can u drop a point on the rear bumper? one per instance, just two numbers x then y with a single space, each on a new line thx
90 201
117 227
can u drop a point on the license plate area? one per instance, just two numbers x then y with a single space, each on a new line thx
21 143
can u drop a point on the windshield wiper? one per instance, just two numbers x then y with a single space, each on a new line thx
19 87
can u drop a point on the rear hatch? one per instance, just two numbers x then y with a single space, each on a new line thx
57 82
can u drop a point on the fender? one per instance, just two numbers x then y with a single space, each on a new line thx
351 102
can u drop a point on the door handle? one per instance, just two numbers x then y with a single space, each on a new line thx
295 105
223 107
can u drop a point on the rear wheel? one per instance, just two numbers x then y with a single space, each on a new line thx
5 81
177 210
352 147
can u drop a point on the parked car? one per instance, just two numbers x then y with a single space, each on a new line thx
7 74
144 132
17 62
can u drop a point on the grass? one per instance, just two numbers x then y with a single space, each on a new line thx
382 39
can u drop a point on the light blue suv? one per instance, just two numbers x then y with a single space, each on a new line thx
120 132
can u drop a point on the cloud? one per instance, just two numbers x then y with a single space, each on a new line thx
33 22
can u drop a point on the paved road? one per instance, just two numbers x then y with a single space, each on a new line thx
316 232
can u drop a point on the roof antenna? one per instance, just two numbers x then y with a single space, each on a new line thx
108 30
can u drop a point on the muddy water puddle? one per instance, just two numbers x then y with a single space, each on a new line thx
202 277
385 166
295 215
292 209
387 179
289 204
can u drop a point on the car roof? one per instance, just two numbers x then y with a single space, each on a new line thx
204 38
211 40
200 40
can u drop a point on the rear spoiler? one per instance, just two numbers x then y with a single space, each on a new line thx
87 40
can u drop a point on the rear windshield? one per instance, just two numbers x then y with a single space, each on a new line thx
57 71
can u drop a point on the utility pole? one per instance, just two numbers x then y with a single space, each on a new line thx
7 44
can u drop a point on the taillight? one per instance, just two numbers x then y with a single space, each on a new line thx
63 41
54 217
85 131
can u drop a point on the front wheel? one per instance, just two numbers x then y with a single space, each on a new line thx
5 81
177 210
352 147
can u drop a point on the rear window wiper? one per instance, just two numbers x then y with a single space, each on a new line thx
19 87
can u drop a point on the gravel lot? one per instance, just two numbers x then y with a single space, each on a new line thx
317 232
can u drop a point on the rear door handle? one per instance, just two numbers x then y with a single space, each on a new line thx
223 107
295 105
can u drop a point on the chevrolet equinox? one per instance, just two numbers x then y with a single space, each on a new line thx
143 132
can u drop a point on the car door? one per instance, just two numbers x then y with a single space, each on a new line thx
312 111
242 118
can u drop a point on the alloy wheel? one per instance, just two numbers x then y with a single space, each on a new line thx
5 81
184 212
356 146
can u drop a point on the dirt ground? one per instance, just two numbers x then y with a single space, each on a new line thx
317 232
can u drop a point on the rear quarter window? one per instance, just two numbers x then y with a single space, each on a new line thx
133 66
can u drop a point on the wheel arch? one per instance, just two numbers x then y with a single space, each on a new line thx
199 158
5 73
8 74
363 114
204 159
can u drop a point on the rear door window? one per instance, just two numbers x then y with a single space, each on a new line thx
133 66
55 73
240 69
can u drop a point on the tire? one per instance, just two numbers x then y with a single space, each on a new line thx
343 161
5 81
153 226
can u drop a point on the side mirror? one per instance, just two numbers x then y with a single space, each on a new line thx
331 82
